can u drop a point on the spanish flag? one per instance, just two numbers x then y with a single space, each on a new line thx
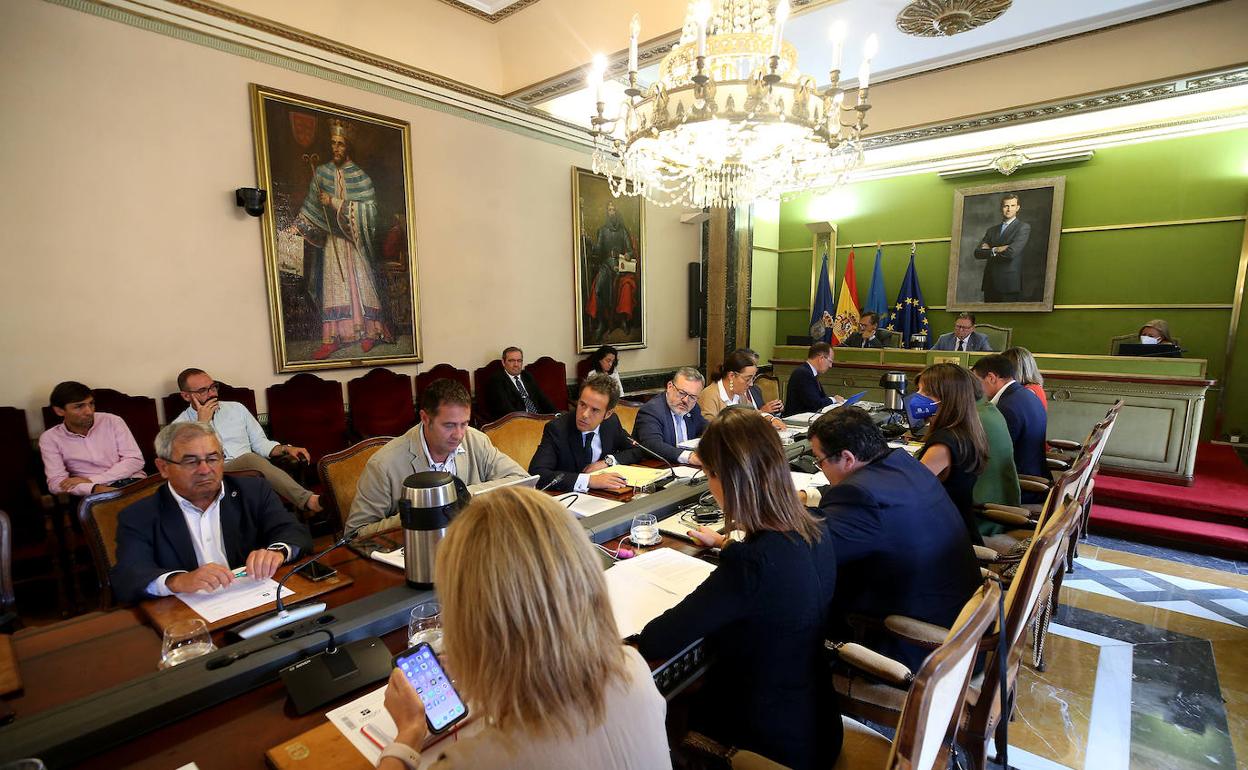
845 321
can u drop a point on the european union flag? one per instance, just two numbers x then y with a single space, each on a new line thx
823 304
910 312
877 300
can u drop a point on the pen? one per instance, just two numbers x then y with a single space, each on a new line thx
241 572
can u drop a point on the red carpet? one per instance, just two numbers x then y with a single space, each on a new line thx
1223 539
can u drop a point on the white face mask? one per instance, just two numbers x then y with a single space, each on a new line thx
1146 340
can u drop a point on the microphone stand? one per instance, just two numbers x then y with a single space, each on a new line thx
670 468
283 616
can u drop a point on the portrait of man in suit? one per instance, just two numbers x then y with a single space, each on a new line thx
609 238
1003 253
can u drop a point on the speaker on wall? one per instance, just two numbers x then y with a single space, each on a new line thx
696 305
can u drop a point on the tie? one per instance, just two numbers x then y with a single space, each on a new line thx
681 433
587 449
962 346
529 406
1003 226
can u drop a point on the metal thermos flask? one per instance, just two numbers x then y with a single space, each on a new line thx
894 385
430 500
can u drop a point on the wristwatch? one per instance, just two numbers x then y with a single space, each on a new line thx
406 754
609 460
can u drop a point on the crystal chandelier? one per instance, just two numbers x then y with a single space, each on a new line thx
731 118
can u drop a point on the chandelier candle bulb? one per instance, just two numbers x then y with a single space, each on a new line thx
782 15
838 44
703 18
634 31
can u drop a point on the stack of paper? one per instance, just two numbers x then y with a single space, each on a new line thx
911 447
807 480
584 504
393 558
690 444
243 594
636 475
644 587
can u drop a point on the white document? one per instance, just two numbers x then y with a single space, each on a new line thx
368 726
584 504
911 448
807 480
645 587
243 594
685 471
689 444
671 570
392 558
801 419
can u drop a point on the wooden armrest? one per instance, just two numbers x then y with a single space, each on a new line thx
919 632
1057 464
1033 484
1064 445
871 662
1007 518
1015 509
983 553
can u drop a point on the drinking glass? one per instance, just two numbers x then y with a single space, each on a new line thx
184 640
645 530
426 625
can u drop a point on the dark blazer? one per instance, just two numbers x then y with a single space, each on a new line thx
1004 271
501 396
1028 423
656 432
152 537
763 613
883 339
804 393
556 459
901 548
977 342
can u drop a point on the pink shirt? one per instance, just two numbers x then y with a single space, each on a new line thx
107 453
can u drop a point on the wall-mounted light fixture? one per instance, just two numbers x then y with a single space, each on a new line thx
251 200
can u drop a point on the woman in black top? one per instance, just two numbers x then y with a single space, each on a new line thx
763 611
956 447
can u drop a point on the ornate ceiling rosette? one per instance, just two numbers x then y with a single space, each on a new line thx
943 18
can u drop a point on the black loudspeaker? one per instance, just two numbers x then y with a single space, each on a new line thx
696 303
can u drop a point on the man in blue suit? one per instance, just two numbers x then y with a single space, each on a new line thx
663 423
901 546
196 530
804 393
583 440
1024 416
1002 248
964 337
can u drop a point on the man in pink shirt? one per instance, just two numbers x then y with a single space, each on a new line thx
89 451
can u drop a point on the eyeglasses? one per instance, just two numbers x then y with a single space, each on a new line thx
191 462
819 461
681 394
203 391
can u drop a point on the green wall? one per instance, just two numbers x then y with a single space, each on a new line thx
1183 178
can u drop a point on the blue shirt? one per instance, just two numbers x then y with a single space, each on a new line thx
240 432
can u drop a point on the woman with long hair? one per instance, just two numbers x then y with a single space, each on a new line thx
1027 372
1158 331
533 648
731 387
955 447
606 359
763 611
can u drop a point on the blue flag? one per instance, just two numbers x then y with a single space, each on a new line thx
910 312
823 304
877 300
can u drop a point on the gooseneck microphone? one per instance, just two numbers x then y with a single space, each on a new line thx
670 468
282 616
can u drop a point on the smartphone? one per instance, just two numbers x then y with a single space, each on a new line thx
317 572
443 706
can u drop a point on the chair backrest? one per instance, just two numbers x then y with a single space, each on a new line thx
8 600
998 336
769 386
98 514
937 696
552 377
17 460
627 412
340 473
307 411
1118 340
582 370
174 404
480 377
381 403
440 372
518 434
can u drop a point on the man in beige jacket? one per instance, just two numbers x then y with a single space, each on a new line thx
441 441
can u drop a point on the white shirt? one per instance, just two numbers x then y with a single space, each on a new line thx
682 434
724 395
448 465
595 452
997 397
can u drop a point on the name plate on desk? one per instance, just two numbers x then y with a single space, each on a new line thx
167 610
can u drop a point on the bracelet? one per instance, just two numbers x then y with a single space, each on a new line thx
406 754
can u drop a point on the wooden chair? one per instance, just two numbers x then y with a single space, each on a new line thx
769 386
381 404
138 413
340 473
518 434
440 372
98 514
627 412
998 336
307 411
175 405
552 377
8 599
480 378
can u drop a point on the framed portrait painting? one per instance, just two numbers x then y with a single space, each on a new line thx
1003 252
339 239
609 252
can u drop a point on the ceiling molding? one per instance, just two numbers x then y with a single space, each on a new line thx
496 16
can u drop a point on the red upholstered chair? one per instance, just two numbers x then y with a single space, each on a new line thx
307 411
552 377
381 404
480 378
582 370
174 404
440 372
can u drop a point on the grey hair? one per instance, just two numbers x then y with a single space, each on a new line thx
175 431
689 373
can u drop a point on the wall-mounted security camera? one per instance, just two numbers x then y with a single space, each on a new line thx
251 200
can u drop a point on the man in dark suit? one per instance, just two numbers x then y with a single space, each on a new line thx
1003 246
869 334
584 440
663 423
515 390
1024 416
194 531
964 337
901 546
804 393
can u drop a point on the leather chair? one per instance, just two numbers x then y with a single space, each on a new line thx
769 386
440 372
138 413
582 370
480 378
627 412
999 337
307 411
1119 340
340 473
518 434
175 405
381 404
552 377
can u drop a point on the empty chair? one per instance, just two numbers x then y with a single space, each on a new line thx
440 372
627 412
480 378
552 377
517 435
307 411
381 404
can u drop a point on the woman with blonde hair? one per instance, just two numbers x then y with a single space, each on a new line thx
1156 331
763 611
955 447
1027 372
533 648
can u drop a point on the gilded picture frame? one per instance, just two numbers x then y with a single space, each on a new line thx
609 259
985 272
339 233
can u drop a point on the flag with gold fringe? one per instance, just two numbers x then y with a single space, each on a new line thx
845 320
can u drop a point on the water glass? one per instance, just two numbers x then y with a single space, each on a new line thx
184 640
425 625
645 530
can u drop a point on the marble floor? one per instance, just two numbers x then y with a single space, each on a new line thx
1147 667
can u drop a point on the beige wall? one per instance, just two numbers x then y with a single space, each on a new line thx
125 258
